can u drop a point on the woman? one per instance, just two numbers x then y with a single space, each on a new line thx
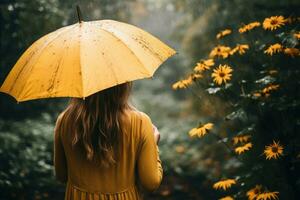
105 149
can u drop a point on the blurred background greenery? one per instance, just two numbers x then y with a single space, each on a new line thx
191 166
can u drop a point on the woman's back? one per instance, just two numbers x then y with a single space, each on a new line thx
137 163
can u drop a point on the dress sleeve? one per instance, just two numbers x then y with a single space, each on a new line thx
149 165
60 163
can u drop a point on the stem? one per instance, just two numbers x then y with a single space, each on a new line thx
194 93
242 89
219 138
227 97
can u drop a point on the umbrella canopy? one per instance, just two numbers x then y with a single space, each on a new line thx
84 58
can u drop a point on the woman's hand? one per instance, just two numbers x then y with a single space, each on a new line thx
156 134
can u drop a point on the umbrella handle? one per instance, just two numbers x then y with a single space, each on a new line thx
78 13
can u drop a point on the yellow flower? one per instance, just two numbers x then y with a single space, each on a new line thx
266 91
223 33
225 184
180 149
209 62
273 151
194 77
297 35
292 52
274 22
241 139
200 131
181 84
241 48
220 51
227 198
249 27
186 82
204 65
222 74
275 48
267 196
242 149
254 192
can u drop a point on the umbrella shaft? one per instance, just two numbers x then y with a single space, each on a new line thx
78 13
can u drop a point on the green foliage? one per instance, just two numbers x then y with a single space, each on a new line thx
260 100
26 170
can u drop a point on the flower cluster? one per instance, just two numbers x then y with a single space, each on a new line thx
220 71
277 48
243 143
257 193
265 92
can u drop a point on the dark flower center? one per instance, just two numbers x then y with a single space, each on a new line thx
221 74
274 22
274 149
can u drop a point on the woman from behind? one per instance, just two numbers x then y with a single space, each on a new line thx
106 149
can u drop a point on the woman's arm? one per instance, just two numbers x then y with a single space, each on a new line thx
60 163
149 165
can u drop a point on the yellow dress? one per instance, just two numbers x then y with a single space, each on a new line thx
138 165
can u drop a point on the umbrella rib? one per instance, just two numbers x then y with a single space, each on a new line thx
137 58
54 76
40 52
83 95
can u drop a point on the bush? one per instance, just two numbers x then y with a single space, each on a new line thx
249 85
26 170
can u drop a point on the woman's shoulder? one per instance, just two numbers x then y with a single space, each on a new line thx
141 121
140 115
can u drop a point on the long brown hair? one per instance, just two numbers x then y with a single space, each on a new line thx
95 123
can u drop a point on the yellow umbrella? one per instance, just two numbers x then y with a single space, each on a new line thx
84 58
